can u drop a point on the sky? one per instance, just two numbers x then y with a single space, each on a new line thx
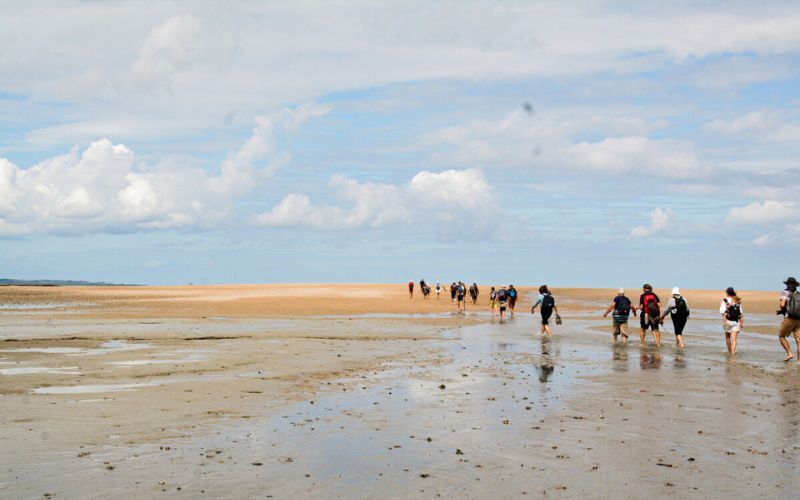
570 143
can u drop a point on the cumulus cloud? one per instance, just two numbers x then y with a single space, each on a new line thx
762 213
104 188
660 220
429 198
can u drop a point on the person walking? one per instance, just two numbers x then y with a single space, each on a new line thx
461 292
789 303
621 305
649 313
493 300
438 290
453 292
732 318
473 292
512 299
548 306
502 301
411 289
678 310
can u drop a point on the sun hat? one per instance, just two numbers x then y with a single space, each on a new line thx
790 281
676 291
621 291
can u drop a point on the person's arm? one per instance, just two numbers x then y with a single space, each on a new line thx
741 315
610 308
723 306
668 309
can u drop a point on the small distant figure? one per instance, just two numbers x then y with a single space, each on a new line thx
649 313
493 300
789 304
621 305
426 291
453 292
461 293
732 318
438 290
473 293
548 306
502 301
512 299
411 289
678 310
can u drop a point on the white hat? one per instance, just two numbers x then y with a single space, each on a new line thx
676 291
621 291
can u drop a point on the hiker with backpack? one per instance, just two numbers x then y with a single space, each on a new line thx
411 289
493 300
789 303
438 290
548 306
461 292
512 298
650 313
453 293
621 305
473 292
732 318
502 301
678 310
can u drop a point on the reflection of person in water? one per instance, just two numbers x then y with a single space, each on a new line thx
619 357
546 366
650 361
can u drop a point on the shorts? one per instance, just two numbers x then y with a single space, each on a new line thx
621 327
460 297
678 323
790 326
512 302
503 304
731 326
546 313
647 322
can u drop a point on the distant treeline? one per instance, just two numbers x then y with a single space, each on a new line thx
9 282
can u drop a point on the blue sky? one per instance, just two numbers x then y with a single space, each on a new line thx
589 143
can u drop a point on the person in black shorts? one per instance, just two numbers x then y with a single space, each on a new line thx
548 306
650 313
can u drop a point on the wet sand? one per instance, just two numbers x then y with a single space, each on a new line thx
357 391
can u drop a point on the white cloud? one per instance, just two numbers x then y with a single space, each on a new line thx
429 198
665 158
762 240
659 221
762 213
103 187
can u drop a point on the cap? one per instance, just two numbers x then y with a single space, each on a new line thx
676 291
730 291
621 291
790 281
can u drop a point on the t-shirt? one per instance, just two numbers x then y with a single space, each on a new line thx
641 300
723 306
618 302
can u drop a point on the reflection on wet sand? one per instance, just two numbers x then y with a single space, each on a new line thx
547 364
619 357
649 361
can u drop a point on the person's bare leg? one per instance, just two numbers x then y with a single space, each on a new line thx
734 335
728 341
797 341
787 347
641 336
547 329
679 341
657 337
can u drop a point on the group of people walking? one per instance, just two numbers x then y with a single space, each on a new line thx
731 312
649 310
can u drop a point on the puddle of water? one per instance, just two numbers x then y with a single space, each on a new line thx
92 389
27 370
143 362
104 348
49 305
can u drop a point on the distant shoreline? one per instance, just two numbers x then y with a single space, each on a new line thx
14 282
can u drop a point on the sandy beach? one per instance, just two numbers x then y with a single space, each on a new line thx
355 391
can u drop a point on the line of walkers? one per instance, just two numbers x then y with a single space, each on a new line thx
730 309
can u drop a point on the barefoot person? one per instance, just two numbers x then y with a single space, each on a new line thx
678 310
621 305
650 313
512 299
411 289
493 300
502 301
461 293
548 305
790 308
438 290
473 293
732 318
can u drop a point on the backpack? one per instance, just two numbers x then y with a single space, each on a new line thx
501 295
624 306
793 306
461 289
732 311
651 305
681 309
548 301
512 293
493 295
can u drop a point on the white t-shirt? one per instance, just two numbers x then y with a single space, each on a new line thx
723 306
